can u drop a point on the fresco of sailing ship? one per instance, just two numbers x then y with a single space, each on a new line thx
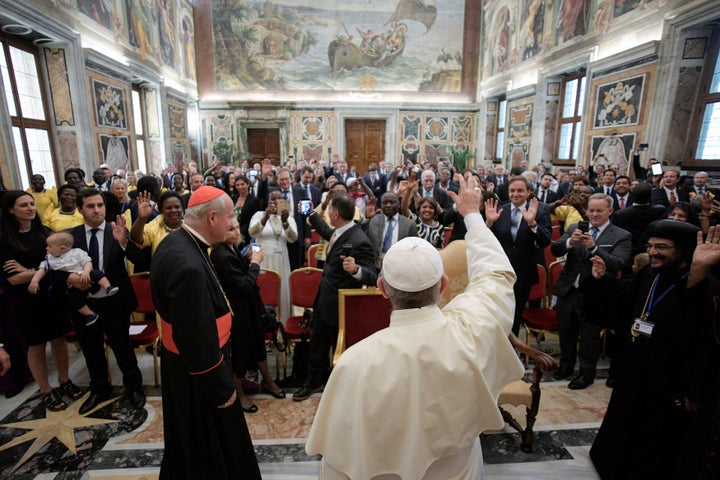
382 48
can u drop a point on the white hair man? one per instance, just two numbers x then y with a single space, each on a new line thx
391 390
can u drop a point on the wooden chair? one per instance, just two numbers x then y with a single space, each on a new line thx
361 312
269 282
151 334
312 260
304 286
520 392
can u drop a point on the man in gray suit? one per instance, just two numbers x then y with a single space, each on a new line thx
613 245
386 229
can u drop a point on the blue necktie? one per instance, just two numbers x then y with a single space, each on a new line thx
285 194
94 248
515 219
387 241
594 232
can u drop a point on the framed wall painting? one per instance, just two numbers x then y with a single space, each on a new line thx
611 150
109 104
618 103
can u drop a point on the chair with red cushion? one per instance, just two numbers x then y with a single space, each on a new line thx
304 286
150 333
354 323
269 282
312 260
543 319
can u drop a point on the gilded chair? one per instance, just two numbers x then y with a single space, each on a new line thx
542 320
312 260
361 312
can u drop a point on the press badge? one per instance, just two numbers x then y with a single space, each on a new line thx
641 327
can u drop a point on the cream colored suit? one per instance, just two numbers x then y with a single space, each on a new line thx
411 400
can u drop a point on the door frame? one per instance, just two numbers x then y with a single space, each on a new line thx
391 122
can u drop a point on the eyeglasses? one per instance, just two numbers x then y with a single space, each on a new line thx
660 247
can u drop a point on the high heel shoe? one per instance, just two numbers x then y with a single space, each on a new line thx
251 409
279 395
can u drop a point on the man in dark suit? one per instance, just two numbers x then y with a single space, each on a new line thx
544 194
430 189
613 245
636 218
350 263
341 171
387 229
445 180
305 190
523 229
292 196
622 196
668 194
606 183
499 177
700 184
374 180
105 243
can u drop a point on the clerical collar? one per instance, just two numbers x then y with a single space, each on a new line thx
194 233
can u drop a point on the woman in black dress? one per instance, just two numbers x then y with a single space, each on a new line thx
246 204
40 317
238 276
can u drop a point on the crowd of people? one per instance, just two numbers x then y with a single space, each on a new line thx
260 215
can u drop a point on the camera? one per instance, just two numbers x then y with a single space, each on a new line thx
305 207
583 226
347 249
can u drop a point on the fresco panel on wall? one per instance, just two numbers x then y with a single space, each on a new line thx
354 45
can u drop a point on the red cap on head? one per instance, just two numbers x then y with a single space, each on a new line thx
204 194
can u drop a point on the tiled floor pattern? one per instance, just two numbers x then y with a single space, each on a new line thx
129 445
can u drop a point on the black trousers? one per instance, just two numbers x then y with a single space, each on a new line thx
116 328
324 337
571 323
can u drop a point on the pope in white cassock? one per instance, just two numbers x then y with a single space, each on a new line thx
410 401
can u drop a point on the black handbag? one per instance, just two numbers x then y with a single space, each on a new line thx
269 323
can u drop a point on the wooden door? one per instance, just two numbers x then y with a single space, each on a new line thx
364 143
264 143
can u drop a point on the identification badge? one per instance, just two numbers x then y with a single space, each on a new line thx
641 327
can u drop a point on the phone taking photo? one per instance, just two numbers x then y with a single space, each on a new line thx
583 226
656 169
305 206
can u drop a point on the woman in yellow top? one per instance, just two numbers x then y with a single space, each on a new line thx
131 180
45 200
145 234
66 215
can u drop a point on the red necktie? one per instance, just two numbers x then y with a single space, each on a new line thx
622 203
672 197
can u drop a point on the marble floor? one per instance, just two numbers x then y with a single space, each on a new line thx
118 442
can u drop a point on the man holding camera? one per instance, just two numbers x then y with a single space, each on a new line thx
350 263
580 243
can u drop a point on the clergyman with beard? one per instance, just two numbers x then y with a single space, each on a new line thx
663 367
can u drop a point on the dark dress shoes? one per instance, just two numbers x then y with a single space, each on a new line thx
580 382
563 373
93 401
305 392
611 382
137 399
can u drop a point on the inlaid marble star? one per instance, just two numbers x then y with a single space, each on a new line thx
60 425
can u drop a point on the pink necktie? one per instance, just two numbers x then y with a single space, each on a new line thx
622 203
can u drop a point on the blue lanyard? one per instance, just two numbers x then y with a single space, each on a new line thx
654 302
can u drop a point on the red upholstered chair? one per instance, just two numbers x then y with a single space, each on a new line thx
269 283
361 312
314 237
312 260
304 286
542 320
151 333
